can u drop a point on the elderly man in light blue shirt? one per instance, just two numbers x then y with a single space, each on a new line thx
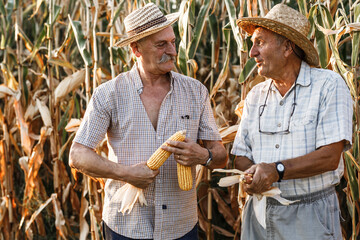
293 130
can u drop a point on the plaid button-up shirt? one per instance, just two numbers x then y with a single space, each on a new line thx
322 115
116 111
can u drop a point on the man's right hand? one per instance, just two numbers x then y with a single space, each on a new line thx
140 175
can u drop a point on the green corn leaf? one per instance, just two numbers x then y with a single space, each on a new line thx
40 39
199 28
248 69
302 7
231 9
354 187
355 38
117 11
80 41
183 28
2 8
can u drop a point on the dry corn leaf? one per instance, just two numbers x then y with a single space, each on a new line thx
36 213
222 231
73 125
239 108
6 91
69 84
3 209
223 207
44 112
59 217
26 142
228 133
84 226
31 111
10 80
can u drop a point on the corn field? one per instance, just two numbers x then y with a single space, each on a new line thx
53 54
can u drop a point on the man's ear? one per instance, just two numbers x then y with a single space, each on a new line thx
135 49
288 48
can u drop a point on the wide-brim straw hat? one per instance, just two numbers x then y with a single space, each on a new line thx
145 21
287 22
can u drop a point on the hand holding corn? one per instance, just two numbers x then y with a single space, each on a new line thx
129 194
259 204
187 153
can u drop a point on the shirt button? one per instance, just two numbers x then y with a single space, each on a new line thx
281 103
164 206
279 125
277 145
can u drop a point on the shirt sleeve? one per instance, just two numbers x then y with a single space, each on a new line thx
242 145
335 114
207 126
96 120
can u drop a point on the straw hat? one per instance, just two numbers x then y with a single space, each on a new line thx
287 22
145 21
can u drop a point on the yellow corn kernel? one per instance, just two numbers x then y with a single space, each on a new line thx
159 156
184 177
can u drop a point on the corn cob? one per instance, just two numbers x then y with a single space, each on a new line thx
184 177
129 194
159 156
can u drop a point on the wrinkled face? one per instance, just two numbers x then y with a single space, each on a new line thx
158 51
268 51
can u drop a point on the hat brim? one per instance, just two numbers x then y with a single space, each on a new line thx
250 24
171 18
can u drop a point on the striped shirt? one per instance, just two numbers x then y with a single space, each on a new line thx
116 111
322 115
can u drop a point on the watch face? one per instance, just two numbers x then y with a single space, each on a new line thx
280 167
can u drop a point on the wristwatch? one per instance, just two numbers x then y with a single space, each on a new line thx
280 168
209 159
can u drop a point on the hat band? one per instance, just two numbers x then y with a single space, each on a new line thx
146 26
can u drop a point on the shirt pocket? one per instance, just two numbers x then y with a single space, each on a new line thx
303 130
301 122
191 125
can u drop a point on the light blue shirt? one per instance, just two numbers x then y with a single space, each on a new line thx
322 115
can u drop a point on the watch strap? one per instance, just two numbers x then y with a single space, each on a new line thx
281 173
209 159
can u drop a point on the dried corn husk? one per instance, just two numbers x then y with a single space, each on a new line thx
69 84
259 200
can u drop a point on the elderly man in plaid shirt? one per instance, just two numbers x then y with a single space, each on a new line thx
294 127
137 111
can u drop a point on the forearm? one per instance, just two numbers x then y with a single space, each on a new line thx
219 154
317 162
242 163
90 163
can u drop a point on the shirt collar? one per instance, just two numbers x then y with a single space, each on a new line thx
138 84
303 78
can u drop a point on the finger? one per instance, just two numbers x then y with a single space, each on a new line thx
171 149
176 144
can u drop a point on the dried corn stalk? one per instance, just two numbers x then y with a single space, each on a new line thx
129 194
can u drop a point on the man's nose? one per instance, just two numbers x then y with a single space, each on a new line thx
253 51
171 49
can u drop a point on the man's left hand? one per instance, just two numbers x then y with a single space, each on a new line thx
187 153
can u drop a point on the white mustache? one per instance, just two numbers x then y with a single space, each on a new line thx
166 57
